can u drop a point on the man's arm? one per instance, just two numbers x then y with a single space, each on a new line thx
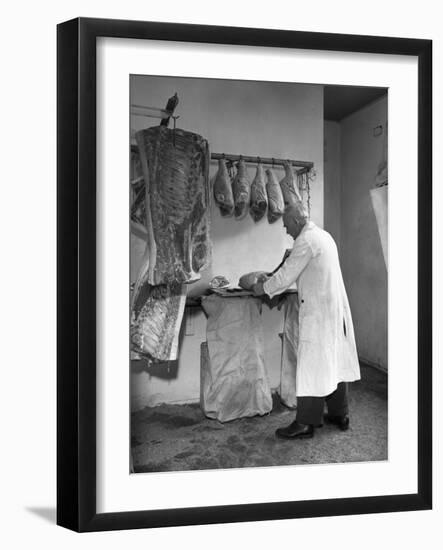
289 272
285 256
257 289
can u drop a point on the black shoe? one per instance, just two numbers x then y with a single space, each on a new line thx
341 421
295 430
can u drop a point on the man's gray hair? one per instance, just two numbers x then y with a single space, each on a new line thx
297 210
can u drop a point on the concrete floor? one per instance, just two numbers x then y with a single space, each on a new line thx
180 437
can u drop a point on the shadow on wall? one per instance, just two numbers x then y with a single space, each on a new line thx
165 371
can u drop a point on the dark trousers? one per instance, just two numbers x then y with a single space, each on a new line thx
310 409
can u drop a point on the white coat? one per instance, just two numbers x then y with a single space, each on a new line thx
326 353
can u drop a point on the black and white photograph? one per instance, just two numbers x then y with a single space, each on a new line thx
221 299
258 215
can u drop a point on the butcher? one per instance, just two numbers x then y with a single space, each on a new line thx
326 355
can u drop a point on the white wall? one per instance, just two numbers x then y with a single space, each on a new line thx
266 119
332 180
363 266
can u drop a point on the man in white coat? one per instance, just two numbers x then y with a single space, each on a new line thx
326 355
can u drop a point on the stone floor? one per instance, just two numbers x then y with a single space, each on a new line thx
180 437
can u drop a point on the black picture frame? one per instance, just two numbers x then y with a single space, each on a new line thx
76 273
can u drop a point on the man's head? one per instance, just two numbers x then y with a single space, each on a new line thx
294 219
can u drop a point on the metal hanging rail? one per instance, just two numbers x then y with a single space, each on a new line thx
305 166
264 160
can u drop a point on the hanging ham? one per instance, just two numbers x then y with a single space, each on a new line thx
276 204
259 199
241 189
223 190
290 191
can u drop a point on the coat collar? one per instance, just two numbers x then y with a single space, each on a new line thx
308 225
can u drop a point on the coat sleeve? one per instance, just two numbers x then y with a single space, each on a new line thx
290 270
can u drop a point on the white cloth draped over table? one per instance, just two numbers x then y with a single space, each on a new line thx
289 351
234 382
326 352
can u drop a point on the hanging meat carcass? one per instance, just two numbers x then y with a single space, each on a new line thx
290 191
276 204
241 188
259 199
288 185
223 190
155 321
175 167
138 212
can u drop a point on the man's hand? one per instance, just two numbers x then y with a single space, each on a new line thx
257 289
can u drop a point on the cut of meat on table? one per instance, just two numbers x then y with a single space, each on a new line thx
155 321
276 204
248 280
175 167
259 198
223 190
241 188
219 281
